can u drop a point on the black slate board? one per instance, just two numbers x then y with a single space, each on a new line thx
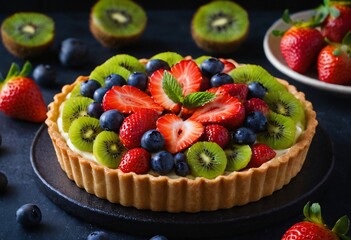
308 185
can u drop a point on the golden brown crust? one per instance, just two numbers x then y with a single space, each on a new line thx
161 193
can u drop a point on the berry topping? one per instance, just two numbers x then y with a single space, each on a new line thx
135 160
95 110
44 75
114 80
256 121
256 90
162 162
88 88
28 215
228 65
216 133
256 104
99 94
261 153
138 80
111 120
152 140
135 125
244 135
238 90
179 157
128 99
211 66
73 53
220 79
155 64
182 168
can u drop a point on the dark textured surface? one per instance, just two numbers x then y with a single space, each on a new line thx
167 30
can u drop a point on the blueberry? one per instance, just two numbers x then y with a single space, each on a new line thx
244 135
211 66
98 235
99 94
3 182
158 237
28 215
162 162
111 120
155 64
114 80
44 75
220 79
88 87
182 168
179 157
256 121
73 53
256 90
152 140
138 80
95 110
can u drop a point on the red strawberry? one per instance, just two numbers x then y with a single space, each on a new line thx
314 228
238 90
228 65
178 134
20 97
216 133
224 109
135 160
338 22
256 104
188 75
135 125
261 153
300 47
334 63
128 99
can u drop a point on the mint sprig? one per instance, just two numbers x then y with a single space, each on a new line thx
198 99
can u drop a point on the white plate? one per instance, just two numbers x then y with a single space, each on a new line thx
272 51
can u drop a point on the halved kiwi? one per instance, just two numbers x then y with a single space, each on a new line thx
28 34
281 132
116 23
170 57
238 156
74 108
108 149
220 26
206 159
83 132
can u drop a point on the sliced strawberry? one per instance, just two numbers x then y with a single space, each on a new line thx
261 153
224 109
135 125
178 134
159 95
256 104
228 65
128 99
135 160
238 90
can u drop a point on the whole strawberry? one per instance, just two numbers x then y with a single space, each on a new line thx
334 62
300 44
20 96
313 227
216 133
135 160
261 153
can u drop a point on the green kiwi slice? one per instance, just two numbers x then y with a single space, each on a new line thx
108 149
28 34
83 132
280 133
74 108
220 26
286 104
117 23
122 64
238 157
253 73
206 159
170 57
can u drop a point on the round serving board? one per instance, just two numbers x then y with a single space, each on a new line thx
289 201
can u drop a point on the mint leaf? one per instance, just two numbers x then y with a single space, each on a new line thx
198 99
172 88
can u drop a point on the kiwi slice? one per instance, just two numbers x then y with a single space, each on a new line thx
280 133
122 64
286 104
253 73
74 108
170 57
206 159
83 132
220 26
108 149
238 157
28 34
116 23
76 91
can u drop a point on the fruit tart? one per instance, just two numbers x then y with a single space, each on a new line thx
179 134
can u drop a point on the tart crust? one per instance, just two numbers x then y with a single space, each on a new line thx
161 193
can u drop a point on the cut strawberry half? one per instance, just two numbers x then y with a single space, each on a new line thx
238 90
228 65
256 104
128 99
178 134
224 109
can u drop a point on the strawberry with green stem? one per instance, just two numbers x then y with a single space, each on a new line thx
301 43
314 228
334 62
20 96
